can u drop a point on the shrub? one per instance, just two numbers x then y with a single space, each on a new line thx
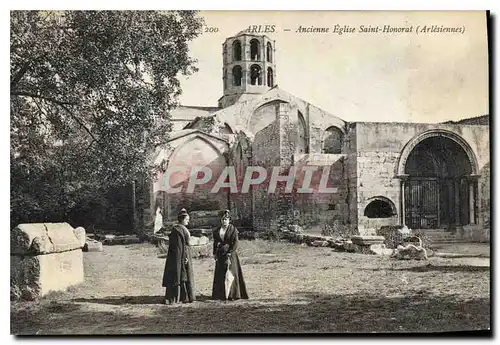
335 228
393 238
426 240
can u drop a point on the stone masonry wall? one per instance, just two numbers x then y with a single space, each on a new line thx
317 209
274 146
378 148
241 203
350 178
265 153
375 178
287 124
484 206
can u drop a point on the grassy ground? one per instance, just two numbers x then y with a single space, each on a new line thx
292 289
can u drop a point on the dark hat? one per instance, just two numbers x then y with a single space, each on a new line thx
225 214
183 212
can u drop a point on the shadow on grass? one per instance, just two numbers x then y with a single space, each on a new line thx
304 312
430 267
450 268
137 300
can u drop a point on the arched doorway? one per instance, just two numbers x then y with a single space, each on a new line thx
196 152
439 182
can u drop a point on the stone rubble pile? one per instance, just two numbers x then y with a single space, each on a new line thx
366 244
201 246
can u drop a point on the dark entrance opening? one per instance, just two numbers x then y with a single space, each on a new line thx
439 191
378 209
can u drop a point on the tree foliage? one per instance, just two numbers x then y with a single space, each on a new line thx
90 97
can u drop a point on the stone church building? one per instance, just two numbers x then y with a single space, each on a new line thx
427 176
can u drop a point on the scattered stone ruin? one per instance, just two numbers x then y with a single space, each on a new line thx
45 257
200 229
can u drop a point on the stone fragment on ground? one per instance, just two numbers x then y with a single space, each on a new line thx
45 257
410 252
198 241
92 246
296 229
349 246
80 235
367 240
405 230
111 240
43 238
336 244
415 240
318 243
380 249
199 232
197 251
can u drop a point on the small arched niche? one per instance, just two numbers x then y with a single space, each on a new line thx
380 207
332 140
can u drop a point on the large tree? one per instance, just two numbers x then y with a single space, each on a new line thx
90 96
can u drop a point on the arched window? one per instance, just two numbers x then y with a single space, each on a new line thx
236 51
237 74
269 52
332 140
224 78
302 146
254 50
255 75
270 78
379 209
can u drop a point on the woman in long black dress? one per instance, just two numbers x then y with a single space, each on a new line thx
178 277
228 278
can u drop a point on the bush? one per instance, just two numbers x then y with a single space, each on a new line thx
426 240
393 238
336 229
271 235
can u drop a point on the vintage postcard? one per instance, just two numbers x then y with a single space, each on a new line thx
250 172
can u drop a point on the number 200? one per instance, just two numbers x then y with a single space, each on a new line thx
211 29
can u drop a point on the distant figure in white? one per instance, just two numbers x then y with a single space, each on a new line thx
158 221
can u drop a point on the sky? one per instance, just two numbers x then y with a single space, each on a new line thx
382 77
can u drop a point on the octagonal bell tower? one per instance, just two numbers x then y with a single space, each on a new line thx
249 67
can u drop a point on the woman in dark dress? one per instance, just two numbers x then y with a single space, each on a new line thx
228 277
178 277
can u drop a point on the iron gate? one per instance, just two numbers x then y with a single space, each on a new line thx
422 203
